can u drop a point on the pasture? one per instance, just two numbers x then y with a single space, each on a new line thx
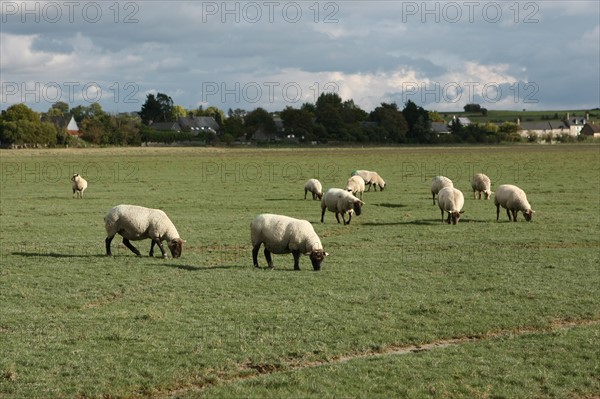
404 306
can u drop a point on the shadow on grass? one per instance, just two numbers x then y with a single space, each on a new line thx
423 222
56 255
429 222
390 205
191 268
286 199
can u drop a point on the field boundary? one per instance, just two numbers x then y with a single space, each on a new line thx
250 370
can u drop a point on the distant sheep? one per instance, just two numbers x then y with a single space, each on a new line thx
513 199
313 186
451 200
138 223
356 185
283 235
480 183
437 183
79 185
370 178
341 202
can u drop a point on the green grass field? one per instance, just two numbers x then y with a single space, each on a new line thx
404 306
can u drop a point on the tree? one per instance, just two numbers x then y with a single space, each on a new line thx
472 108
19 124
328 113
352 113
234 126
259 119
419 125
456 127
392 126
19 112
179 112
59 108
157 108
298 122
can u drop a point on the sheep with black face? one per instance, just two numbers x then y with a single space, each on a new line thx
341 202
283 235
135 223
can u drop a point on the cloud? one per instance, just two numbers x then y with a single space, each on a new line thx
370 51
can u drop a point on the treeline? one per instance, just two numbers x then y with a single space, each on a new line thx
329 120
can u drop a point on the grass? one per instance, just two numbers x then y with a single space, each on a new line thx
74 323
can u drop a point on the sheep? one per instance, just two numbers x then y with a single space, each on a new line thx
377 180
451 200
79 184
513 199
370 178
356 185
340 201
283 235
313 186
480 183
437 183
137 223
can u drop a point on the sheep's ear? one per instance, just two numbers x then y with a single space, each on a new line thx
461 212
532 211
326 253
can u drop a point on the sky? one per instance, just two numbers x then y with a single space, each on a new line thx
503 55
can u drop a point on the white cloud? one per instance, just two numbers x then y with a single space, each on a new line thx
372 53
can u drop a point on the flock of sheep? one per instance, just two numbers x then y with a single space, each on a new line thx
282 234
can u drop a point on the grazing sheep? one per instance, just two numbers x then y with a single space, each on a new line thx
356 185
313 186
340 201
370 178
437 183
376 181
481 184
284 235
79 185
451 200
137 223
513 199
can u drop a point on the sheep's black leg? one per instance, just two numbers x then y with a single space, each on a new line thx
131 247
296 260
497 212
255 255
433 198
349 218
322 214
508 213
337 217
305 191
151 254
268 258
107 242
160 246
514 212
442 215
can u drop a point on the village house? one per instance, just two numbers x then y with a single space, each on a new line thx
542 128
63 123
192 124
590 129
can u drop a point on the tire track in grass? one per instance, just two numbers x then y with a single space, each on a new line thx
250 370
